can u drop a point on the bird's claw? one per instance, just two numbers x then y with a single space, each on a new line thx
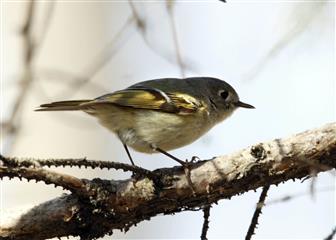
194 159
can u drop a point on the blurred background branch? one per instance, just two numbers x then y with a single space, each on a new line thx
11 125
101 59
170 9
298 21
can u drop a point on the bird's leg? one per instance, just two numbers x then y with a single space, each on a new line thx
186 166
128 154
183 163
135 176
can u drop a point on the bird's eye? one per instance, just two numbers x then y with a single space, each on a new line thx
224 94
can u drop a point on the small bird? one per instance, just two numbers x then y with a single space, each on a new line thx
161 114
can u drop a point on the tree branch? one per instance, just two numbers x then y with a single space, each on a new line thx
11 125
121 204
170 6
257 212
331 235
205 228
75 162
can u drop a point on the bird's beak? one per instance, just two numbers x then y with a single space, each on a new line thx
243 105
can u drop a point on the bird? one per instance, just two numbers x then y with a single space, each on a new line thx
160 115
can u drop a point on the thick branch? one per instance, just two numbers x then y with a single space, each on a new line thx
121 204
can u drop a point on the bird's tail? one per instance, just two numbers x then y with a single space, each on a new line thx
63 106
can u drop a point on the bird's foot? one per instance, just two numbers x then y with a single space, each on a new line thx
187 167
194 159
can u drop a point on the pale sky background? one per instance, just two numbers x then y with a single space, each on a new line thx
278 55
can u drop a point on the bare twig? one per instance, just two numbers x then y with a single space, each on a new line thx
105 55
68 81
257 212
67 182
170 6
299 20
79 162
27 34
140 23
206 215
313 184
45 27
102 58
298 195
331 235
30 48
12 124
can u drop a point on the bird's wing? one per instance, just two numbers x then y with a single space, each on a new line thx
153 99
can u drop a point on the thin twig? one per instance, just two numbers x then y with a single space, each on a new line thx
297 195
65 181
331 235
141 25
170 5
45 25
11 125
102 58
206 215
312 186
68 81
257 212
108 51
139 21
79 162
30 49
297 23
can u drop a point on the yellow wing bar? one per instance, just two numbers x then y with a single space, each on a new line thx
152 98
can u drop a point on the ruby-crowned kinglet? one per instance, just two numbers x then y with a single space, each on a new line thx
161 114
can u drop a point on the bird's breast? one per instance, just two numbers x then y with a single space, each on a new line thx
166 130
141 128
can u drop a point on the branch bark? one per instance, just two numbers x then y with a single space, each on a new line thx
109 205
